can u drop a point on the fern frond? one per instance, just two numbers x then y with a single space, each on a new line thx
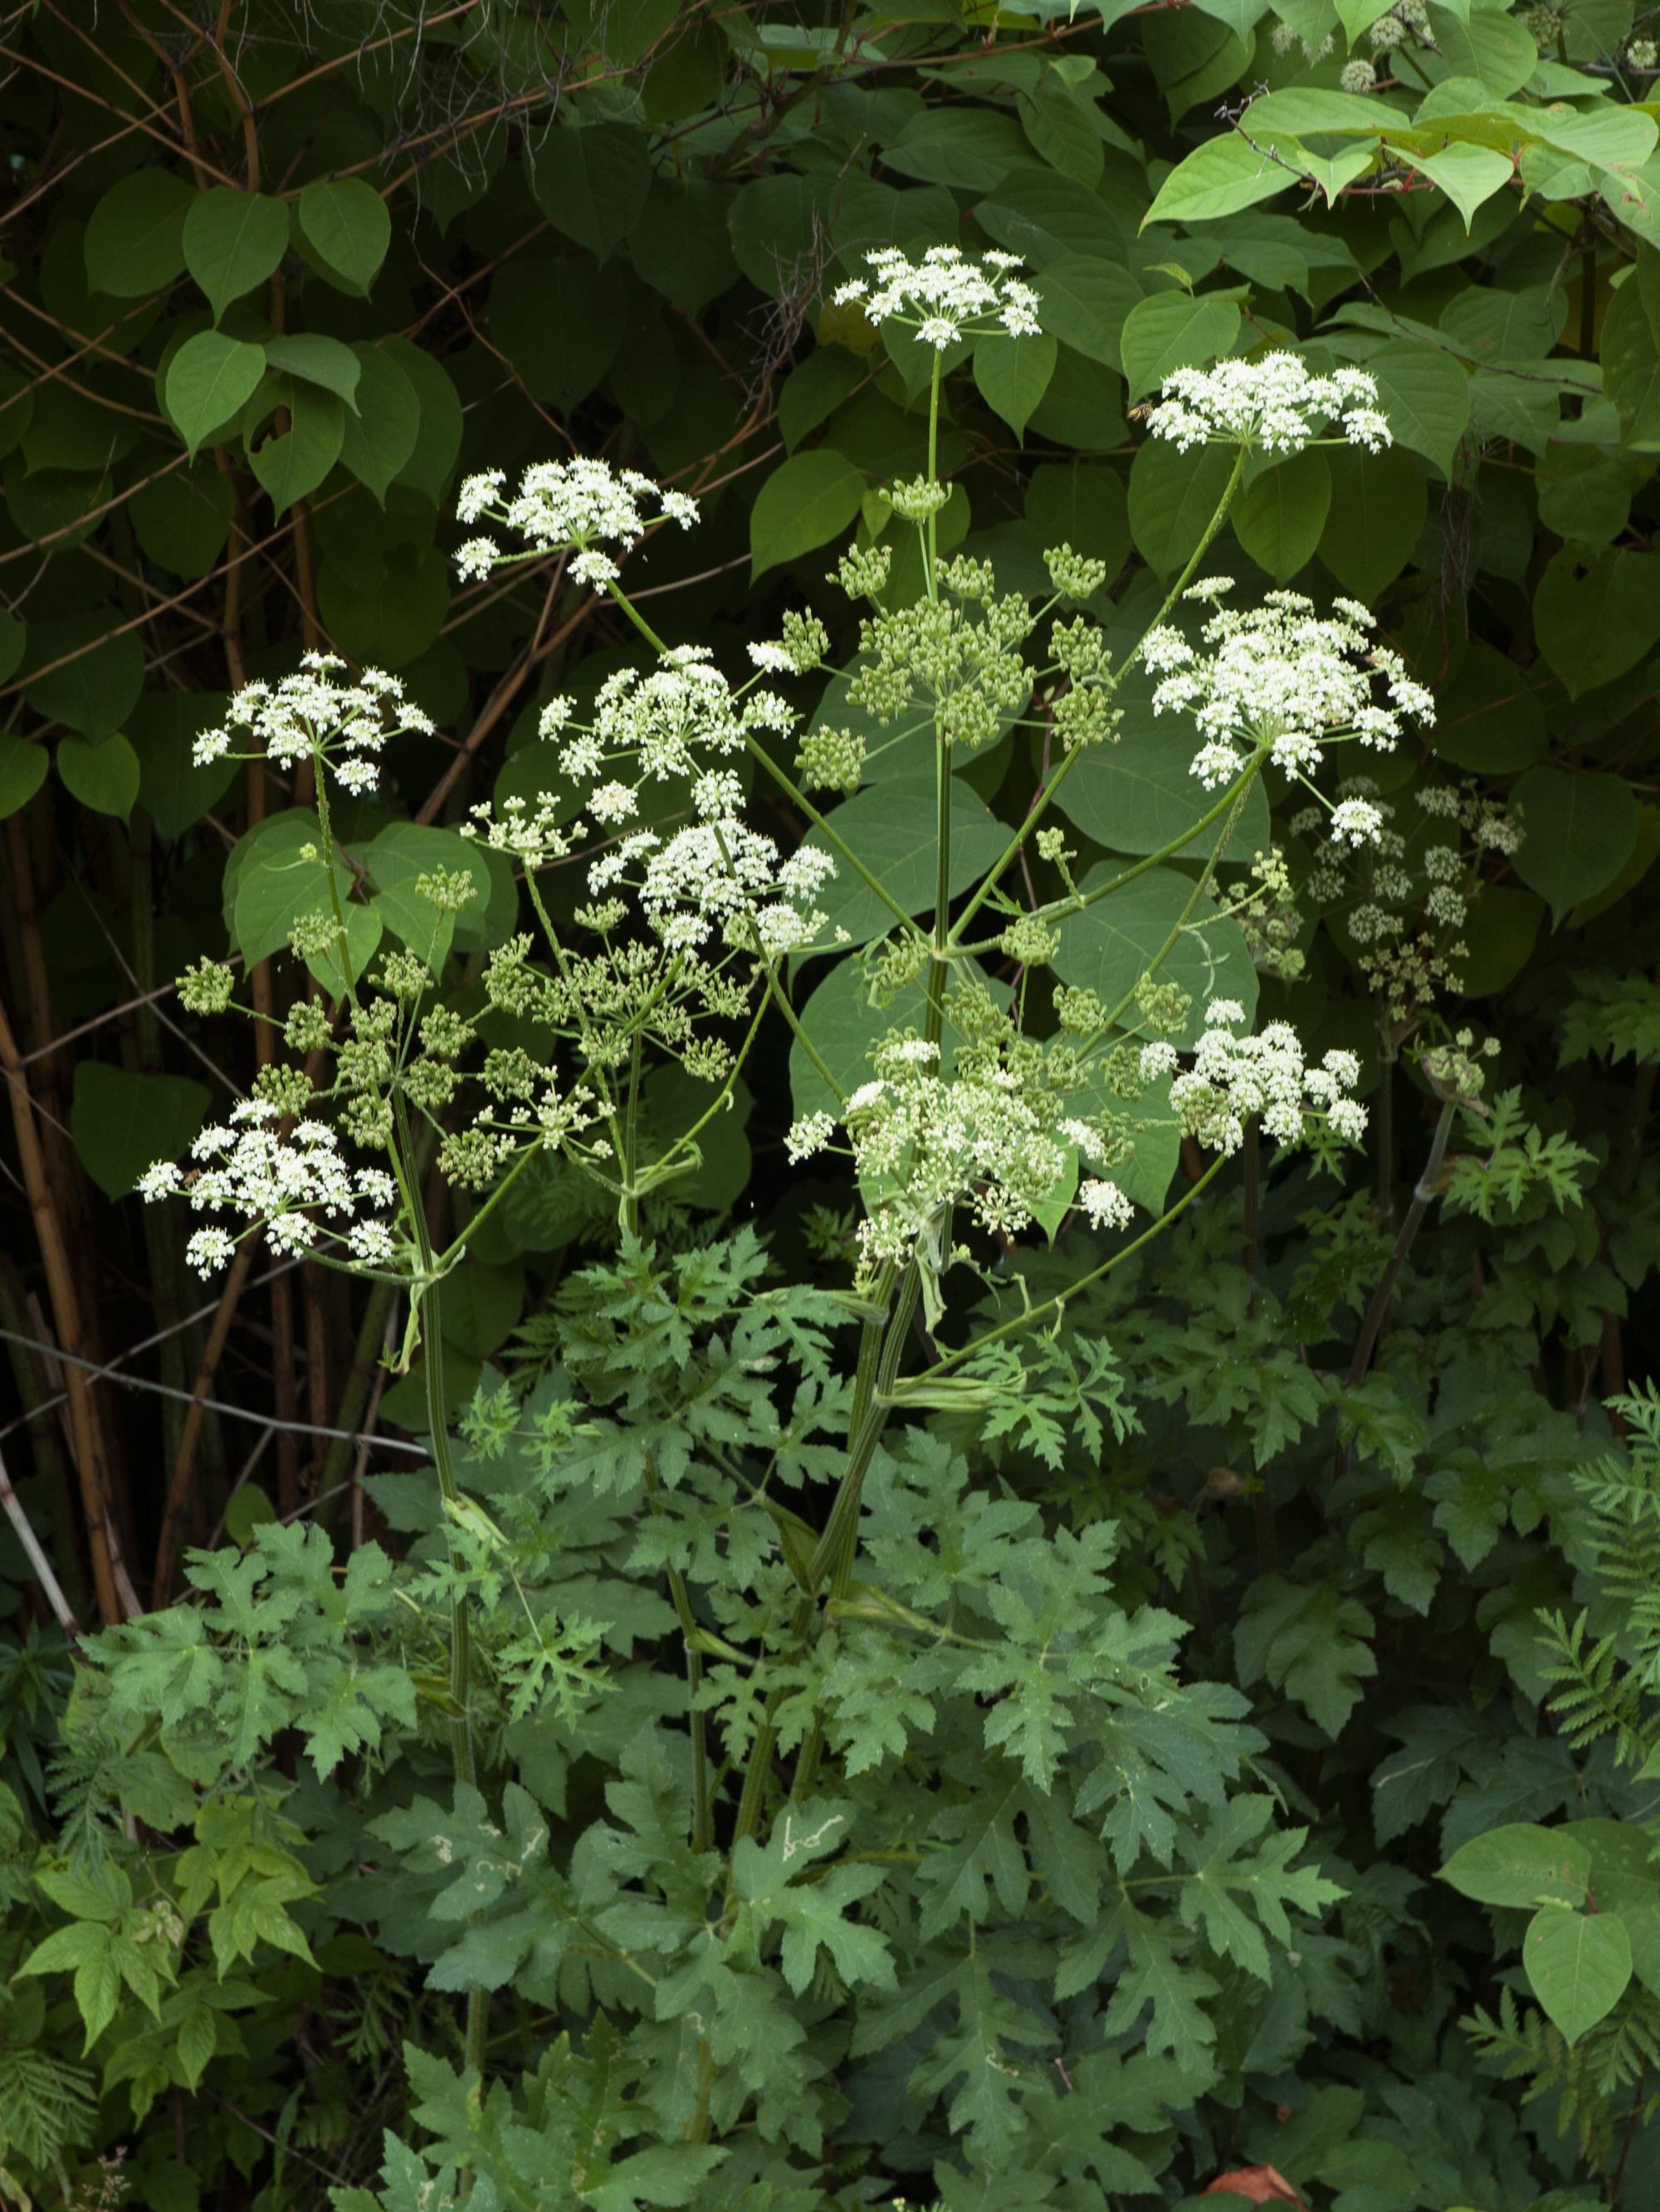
47 2105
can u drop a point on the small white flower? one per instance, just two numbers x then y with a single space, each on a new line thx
370 1242
479 493
209 1249
1105 1205
808 1135
594 568
1356 822
476 558
161 1181
613 802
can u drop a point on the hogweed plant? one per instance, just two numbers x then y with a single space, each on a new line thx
924 1839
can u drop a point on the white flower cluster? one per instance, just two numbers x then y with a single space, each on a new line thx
680 721
584 504
275 1182
719 871
946 295
1283 676
1234 1077
931 1143
1269 402
312 715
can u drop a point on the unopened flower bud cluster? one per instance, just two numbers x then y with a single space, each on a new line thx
1410 890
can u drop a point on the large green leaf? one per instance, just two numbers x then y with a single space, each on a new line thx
592 183
1139 795
316 360
22 771
1379 502
1578 1963
1086 304
1081 504
91 671
122 1122
1595 619
1013 373
1521 1864
182 518
1219 178
291 463
810 499
233 240
1631 353
892 828
134 240
1468 175
1426 397
1173 329
210 381
1578 830
103 775
1280 513
274 876
1173 500
380 437
346 225
1112 944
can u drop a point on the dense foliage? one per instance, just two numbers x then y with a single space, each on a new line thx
709 1638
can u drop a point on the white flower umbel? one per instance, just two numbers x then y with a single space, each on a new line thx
723 874
946 295
1269 402
277 1183
976 1139
313 715
1234 1077
1286 679
582 505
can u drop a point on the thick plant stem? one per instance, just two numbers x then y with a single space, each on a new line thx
432 1366
1428 1188
834 1554
702 1812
